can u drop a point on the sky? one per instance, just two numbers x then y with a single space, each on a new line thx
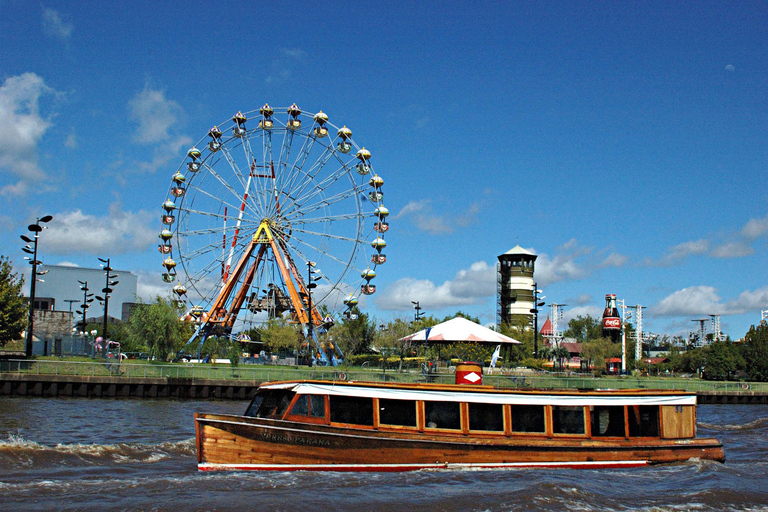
624 143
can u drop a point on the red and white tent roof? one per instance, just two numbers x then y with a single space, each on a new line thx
460 329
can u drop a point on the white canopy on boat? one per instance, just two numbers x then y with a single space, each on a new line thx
563 398
460 329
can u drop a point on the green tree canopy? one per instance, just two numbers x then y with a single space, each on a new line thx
598 351
13 310
584 328
157 326
354 336
278 334
756 352
723 361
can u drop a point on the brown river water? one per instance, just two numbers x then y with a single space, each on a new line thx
112 454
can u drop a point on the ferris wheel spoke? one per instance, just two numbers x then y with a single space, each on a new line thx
310 174
216 199
303 221
326 202
319 187
328 235
316 253
239 175
299 164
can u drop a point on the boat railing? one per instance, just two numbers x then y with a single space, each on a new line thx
263 373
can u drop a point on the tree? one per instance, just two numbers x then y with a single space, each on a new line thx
723 361
388 339
462 315
756 352
13 309
584 329
157 325
598 351
520 331
354 336
279 335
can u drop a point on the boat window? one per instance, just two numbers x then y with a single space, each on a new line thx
301 406
318 406
351 409
274 404
567 419
528 418
486 417
608 421
442 415
644 420
397 412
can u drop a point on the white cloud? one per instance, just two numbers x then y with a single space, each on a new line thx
71 141
575 312
469 286
164 153
704 300
681 251
563 266
424 218
755 228
694 300
156 115
117 232
614 260
54 25
732 250
21 129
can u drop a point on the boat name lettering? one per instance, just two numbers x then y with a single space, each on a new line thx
277 438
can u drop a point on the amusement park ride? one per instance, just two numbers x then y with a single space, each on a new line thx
262 197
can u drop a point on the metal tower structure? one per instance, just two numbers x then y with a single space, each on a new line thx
702 331
555 315
639 332
716 334
625 315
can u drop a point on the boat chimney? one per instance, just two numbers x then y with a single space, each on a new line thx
469 373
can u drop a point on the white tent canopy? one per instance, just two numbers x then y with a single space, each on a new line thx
460 329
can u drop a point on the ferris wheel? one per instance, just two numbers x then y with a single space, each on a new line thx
275 211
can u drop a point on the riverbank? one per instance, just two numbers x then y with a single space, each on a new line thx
235 388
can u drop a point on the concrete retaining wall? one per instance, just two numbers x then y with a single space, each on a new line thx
121 387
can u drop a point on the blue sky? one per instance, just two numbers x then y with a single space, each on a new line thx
625 143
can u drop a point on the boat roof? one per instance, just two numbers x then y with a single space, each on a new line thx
485 394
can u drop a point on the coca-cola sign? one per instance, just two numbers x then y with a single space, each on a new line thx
611 323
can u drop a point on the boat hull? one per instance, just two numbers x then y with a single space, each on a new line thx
226 442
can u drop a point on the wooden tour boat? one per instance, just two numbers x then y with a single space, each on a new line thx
360 426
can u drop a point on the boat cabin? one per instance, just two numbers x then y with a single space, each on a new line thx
484 411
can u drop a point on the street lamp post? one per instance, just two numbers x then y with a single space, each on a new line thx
35 229
86 303
312 277
106 291
537 303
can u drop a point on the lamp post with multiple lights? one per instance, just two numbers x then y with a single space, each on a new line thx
105 299
31 248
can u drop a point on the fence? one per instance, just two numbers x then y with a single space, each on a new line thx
258 373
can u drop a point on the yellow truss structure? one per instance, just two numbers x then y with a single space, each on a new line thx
224 317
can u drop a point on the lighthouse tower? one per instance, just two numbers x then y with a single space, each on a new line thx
515 285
